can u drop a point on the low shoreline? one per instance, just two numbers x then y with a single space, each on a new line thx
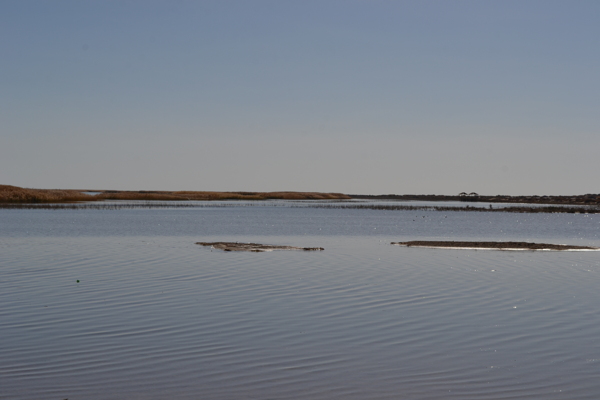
584 199
576 209
137 204
17 197
494 245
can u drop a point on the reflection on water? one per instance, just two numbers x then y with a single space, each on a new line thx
156 316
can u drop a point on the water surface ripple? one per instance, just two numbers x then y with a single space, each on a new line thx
155 316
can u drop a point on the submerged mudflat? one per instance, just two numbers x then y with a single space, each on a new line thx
254 247
492 245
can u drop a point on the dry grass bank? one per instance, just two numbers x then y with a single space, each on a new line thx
189 195
14 194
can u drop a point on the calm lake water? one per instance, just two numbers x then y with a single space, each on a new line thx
121 304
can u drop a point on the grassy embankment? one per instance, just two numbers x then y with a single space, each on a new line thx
18 195
189 195
14 194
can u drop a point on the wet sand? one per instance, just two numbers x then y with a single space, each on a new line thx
492 245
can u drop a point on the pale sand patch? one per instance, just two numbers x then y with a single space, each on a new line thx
494 245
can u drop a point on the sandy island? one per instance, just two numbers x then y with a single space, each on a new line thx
254 247
492 245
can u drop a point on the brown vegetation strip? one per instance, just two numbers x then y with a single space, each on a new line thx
14 194
493 245
254 247
144 195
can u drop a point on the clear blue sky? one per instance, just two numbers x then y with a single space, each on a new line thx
496 97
